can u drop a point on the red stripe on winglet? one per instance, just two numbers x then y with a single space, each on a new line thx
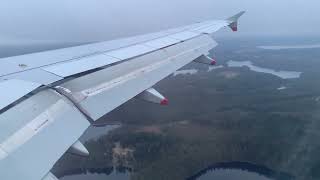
234 28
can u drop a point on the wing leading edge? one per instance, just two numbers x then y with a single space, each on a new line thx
66 90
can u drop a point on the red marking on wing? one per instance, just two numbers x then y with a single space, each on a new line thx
164 102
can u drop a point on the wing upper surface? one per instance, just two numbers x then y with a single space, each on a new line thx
17 89
121 49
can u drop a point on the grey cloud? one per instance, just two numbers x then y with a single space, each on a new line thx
97 20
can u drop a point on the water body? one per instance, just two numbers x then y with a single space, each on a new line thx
232 174
239 171
249 64
212 68
185 72
195 71
93 133
290 47
108 174
113 176
282 88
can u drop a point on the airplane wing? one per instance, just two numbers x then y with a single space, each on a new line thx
49 99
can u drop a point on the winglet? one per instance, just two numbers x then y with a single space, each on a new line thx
234 21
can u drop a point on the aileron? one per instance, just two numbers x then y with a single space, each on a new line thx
162 42
185 35
82 65
130 52
35 75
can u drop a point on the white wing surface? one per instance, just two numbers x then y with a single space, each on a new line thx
49 99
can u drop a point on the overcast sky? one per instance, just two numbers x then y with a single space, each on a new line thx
98 20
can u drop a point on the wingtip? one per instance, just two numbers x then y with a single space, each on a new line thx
236 17
241 13
233 21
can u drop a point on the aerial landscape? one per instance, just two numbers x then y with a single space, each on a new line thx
253 116
160 90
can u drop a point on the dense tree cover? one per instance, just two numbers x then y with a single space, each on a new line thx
212 118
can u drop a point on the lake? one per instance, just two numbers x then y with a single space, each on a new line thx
309 46
225 171
109 174
239 170
249 64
